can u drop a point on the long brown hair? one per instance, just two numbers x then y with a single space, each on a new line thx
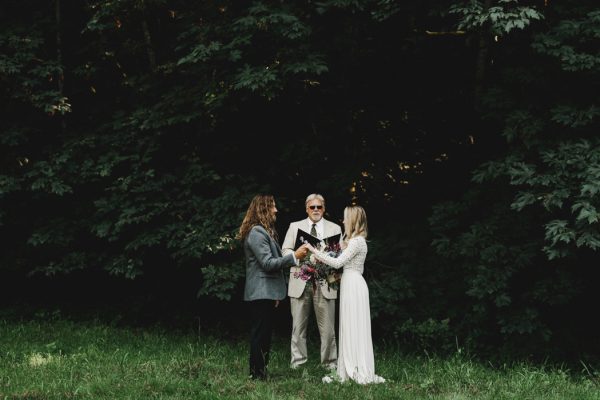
355 222
260 212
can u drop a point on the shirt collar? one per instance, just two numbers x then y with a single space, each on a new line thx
320 224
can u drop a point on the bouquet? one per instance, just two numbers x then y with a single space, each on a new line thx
314 272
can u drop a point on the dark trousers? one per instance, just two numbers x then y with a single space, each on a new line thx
262 313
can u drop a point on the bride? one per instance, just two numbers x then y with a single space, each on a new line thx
355 358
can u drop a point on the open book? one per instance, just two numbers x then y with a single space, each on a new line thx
302 236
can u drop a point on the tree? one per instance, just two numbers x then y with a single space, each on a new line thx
527 254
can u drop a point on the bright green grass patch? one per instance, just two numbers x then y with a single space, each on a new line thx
66 360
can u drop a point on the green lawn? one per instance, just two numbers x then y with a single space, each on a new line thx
67 360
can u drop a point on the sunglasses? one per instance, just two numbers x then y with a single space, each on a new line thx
315 207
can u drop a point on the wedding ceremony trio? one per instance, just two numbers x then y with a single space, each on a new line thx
265 287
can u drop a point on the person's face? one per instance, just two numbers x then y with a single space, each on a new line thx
274 212
315 210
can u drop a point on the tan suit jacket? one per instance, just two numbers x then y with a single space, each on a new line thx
297 285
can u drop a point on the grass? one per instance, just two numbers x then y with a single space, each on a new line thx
72 360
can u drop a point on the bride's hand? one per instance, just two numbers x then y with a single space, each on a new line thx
310 247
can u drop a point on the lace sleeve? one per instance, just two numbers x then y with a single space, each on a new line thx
342 259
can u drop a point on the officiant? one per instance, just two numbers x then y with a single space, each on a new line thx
306 297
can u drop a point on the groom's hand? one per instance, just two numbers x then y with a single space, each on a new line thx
301 252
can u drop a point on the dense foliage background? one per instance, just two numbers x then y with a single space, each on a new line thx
134 133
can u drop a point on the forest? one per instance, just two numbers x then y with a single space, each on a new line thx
135 132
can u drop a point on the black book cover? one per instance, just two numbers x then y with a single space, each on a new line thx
302 236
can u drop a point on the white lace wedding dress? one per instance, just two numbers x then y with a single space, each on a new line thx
355 357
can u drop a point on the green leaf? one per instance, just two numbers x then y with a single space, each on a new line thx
522 200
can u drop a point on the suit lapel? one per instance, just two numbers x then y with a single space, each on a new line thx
277 246
326 228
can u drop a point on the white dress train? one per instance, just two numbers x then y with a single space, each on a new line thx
355 354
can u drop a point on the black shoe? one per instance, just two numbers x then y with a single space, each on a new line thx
258 377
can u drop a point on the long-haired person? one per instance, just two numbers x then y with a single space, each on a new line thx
265 283
355 353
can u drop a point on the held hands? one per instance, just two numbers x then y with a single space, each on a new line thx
310 247
301 252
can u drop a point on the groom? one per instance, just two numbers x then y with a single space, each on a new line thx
305 297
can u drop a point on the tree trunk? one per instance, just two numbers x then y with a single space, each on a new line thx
148 39
481 62
61 76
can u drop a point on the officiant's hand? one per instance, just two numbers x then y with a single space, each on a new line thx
301 252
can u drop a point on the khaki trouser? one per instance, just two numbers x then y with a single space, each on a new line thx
325 316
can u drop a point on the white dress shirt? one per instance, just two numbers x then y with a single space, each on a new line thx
320 227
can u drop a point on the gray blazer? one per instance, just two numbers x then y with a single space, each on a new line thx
264 264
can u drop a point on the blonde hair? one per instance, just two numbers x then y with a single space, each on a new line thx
355 222
314 196
259 213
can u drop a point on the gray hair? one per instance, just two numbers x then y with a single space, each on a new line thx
315 196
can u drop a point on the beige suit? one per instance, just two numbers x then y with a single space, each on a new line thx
303 298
